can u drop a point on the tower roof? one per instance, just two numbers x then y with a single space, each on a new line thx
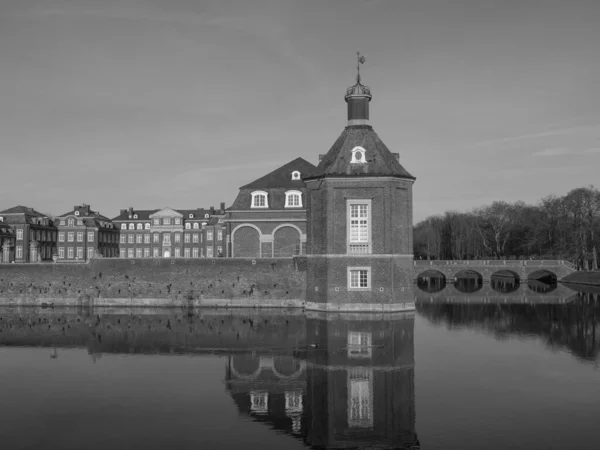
379 160
282 176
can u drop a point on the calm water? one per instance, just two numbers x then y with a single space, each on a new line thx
452 375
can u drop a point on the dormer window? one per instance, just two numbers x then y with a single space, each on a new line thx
259 199
123 226
80 222
177 221
76 213
196 226
295 175
139 226
135 216
191 216
206 216
146 226
71 222
293 199
358 155
131 226
188 226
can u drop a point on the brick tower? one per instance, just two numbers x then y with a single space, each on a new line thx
359 222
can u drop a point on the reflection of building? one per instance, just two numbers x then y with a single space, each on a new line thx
359 223
33 235
268 217
353 387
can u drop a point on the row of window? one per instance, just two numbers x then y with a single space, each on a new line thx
194 237
75 252
194 252
40 235
146 226
71 236
260 199
70 222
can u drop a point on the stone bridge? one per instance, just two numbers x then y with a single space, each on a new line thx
522 270
487 294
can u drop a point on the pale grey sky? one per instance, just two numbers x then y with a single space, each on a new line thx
152 103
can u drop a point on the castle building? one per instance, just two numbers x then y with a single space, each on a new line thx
359 221
169 233
28 235
268 217
84 234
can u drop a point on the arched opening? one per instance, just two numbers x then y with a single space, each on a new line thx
245 366
167 253
505 281
431 281
286 366
542 281
246 242
468 281
286 242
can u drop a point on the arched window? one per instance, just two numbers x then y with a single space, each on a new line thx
191 216
295 175
260 199
146 226
76 213
131 226
71 222
206 216
139 226
135 216
196 226
293 199
188 226
123 226
358 155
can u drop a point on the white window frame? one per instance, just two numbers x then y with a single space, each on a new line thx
138 253
130 238
130 253
156 221
167 221
177 252
359 246
155 253
186 252
70 236
80 252
196 226
289 195
195 238
61 236
80 236
147 238
188 226
195 252
139 238
220 235
156 238
123 239
90 236
177 238
359 344
358 156
209 252
356 286
146 252
19 234
70 252
90 252
219 250
61 252
139 226
167 239
146 226
71 222
19 252
177 221
209 235
296 175
255 195
122 253
132 226
123 226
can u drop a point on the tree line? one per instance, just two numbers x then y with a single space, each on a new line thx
566 227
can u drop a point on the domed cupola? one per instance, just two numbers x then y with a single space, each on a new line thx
358 97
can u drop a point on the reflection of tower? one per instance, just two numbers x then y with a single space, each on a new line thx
360 382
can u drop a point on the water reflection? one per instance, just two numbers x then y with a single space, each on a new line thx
351 386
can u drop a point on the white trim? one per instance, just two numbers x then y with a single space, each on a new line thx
247 225
257 193
369 242
363 154
357 268
296 175
288 194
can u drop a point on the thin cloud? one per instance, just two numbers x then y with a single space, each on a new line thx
556 132
563 151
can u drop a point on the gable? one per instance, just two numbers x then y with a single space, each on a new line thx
165 212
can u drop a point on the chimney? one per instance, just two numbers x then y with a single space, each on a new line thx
222 207
123 211
397 156
212 210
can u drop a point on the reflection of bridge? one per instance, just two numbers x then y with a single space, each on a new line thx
487 294
521 270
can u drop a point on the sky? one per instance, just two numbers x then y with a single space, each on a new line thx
154 103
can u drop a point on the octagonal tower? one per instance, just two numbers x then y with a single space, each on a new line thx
359 223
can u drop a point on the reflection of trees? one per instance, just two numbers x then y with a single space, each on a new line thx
572 325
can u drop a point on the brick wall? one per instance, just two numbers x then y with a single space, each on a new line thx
155 282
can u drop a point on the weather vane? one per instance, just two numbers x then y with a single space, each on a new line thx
359 60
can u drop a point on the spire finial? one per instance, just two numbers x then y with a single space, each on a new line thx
359 60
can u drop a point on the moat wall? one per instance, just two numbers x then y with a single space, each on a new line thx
157 282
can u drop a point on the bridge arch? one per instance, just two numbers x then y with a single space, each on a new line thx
468 281
505 281
431 281
245 367
542 281
287 367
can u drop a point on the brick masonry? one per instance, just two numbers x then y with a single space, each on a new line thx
156 282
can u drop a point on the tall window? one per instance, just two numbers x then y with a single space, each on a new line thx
80 252
71 222
195 238
195 252
90 252
130 253
130 238
156 238
139 226
61 252
123 239
209 252
177 238
167 221
138 238
132 226
259 199
186 238
61 236
293 199
70 253
138 252
146 226
90 236
146 252
155 252
188 226
360 397
359 278
146 239
70 236
196 226
80 236
19 251
186 252
123 226
177 252
122 253
209 235
359 230
219 250
19 235
167 239
220 235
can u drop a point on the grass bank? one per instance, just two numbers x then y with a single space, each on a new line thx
588 278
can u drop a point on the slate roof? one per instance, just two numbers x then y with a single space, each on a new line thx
143 214
282 177
380 161
22 210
